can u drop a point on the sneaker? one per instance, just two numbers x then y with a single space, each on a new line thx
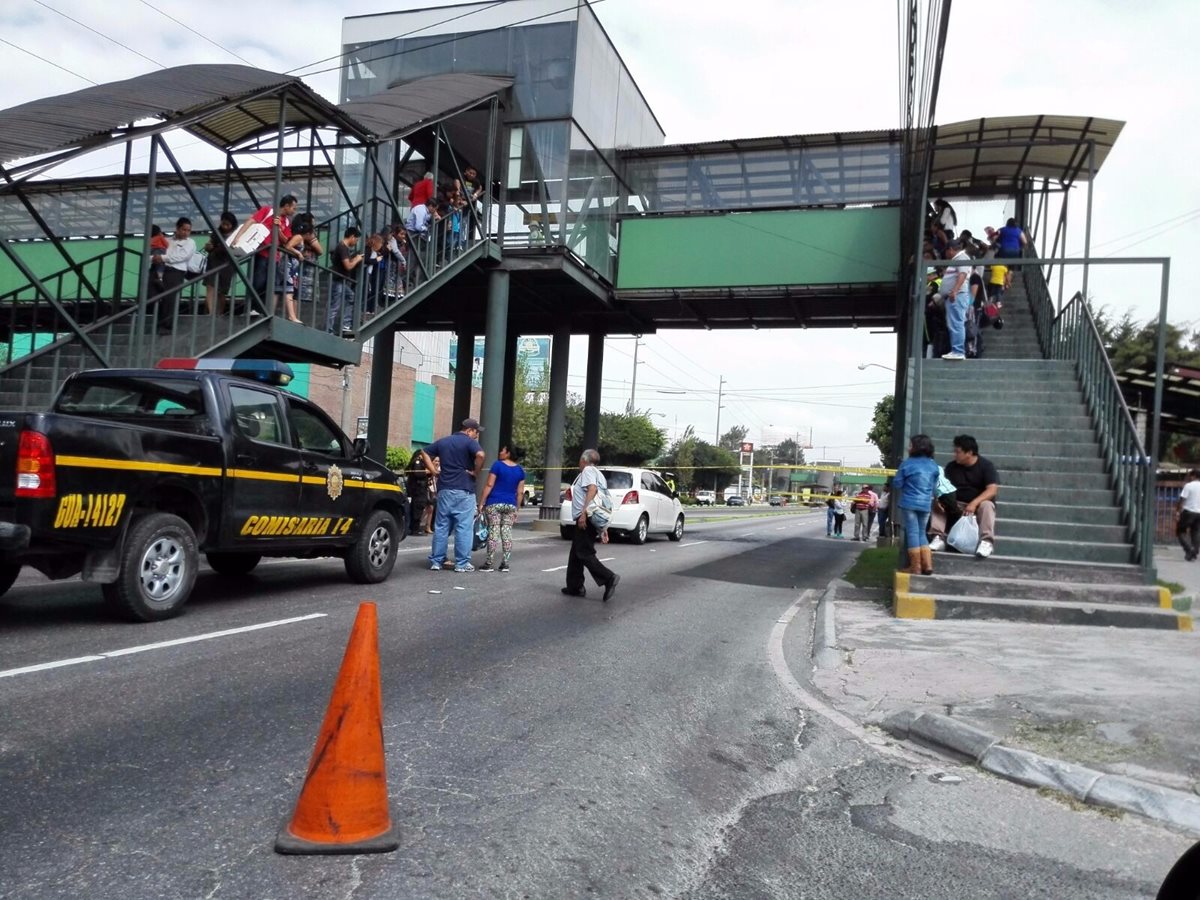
611 587
436 567
486 568
953 356
467 568
504 567
937 544
984 550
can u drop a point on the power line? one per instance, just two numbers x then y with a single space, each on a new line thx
198 34
99 33
48 61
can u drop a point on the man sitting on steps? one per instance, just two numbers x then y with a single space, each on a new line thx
976 484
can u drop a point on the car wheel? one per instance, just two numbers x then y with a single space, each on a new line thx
565 532
371 558
233 563
8 574
641 530
158 569
677 532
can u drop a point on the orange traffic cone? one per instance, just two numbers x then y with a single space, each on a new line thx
343 805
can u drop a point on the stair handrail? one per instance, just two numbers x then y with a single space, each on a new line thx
1076 337
1041 304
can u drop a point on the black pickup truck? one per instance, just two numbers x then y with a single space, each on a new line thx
134 473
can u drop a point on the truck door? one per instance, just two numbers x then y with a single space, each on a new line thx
330 482
262 492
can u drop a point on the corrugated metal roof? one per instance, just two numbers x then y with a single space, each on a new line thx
91 115
406 106
776 142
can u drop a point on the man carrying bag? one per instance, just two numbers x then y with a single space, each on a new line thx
591 514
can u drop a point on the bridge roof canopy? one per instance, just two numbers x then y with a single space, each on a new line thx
404 107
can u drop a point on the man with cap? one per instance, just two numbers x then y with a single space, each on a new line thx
957 291
456 460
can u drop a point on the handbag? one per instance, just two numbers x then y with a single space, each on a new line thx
964 536
599 510
197 263
480 533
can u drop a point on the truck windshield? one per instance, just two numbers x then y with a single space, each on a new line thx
167 403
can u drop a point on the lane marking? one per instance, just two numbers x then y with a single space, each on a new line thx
142 648
784 673
555 569
606 559
693 543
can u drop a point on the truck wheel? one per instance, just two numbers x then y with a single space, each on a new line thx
8 574
158 569
233 563
371 558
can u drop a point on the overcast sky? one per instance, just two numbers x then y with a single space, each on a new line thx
763 67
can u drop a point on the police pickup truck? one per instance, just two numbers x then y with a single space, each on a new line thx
134 473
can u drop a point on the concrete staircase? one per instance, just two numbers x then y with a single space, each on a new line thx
1063 552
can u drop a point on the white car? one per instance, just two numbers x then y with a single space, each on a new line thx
642 504
706 498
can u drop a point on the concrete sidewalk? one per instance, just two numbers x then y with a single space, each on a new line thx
1120 701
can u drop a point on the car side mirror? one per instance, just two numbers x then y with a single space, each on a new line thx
361 447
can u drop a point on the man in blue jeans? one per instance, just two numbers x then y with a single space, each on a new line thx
459 461
957 291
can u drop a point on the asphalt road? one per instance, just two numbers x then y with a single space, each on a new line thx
663 744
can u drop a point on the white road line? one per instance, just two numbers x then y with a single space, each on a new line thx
784 673
606 559
127 651
693 543
555 569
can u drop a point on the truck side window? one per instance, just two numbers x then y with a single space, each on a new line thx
256 415
313 432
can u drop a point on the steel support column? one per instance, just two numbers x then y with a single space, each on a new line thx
144 269
592 391
1151 493
273 260
556 417
493 371
122 212
1087 223
380 401
463 375
510 384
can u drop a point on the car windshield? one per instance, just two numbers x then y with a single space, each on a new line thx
617 481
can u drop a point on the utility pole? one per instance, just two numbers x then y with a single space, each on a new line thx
633 387
720 391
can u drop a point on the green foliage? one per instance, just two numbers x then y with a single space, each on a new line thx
881 430
397 458
732 439
699 465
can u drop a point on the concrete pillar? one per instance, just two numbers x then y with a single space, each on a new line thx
556 417
379 405
463 362
591 397
510 383
495 340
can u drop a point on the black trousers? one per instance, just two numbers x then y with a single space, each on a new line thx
172 281
1188 532
583 556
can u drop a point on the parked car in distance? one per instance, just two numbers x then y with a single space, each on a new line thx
706 498
642 505
736 500
778 500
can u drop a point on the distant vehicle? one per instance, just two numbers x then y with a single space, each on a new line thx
735 500
778 500
642 504
706 498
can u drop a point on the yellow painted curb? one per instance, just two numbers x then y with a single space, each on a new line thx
900 584
914 606
1164 598
1185 622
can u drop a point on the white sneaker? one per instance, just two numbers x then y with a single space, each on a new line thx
984 550
467 568
937 544
953 356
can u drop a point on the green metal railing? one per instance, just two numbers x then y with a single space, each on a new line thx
1073 335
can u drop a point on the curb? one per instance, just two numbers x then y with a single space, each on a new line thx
824 645
1086 785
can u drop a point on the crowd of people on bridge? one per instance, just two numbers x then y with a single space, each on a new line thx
965 297
441 221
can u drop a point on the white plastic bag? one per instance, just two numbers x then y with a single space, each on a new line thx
964 536
252 238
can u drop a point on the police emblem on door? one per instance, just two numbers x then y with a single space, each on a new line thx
334 482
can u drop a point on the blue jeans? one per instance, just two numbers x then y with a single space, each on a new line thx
341 306
455 509
956 321
915 522
829 520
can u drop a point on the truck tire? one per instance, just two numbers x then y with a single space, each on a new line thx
8 574
371 558
233 563
158 569
566 533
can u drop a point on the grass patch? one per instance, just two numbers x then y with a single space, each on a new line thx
1070 802
1173 586
874 568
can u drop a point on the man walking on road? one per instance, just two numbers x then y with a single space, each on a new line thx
583 541
1187 529
460 459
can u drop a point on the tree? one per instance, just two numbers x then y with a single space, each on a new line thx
732 439
881 430
698 464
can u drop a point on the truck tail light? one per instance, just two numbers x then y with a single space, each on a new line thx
35 466
631 497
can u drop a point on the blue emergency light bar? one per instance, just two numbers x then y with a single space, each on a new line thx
268 371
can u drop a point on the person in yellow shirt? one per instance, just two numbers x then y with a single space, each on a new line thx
999 281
